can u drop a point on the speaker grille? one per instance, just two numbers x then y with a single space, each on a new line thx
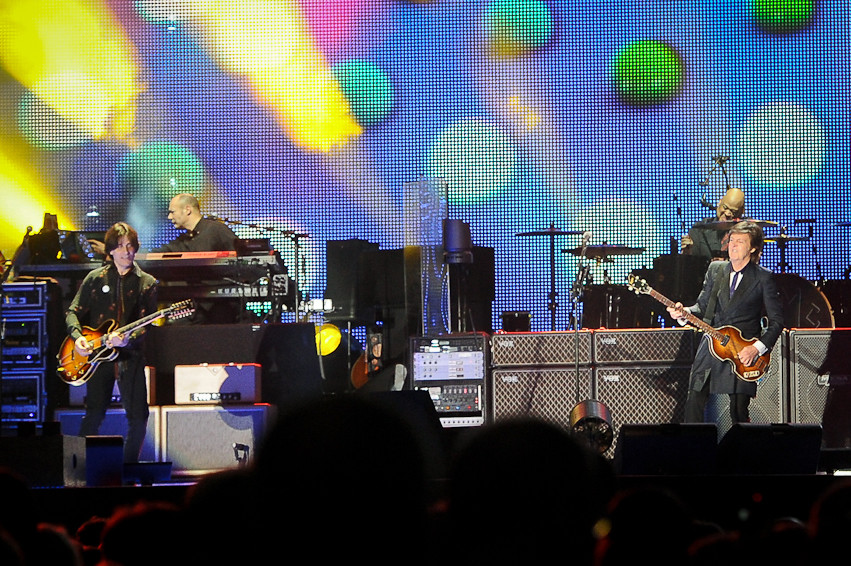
667 345
540 349
642 395
545 393
200 439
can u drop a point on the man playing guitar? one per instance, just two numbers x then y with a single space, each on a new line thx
736 293
121 292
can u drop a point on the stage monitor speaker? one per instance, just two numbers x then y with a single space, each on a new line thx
205 438
546 393
115 424
771 404
640 346
781 448
93 461
819 382
667 449
344 259
518 349
642 395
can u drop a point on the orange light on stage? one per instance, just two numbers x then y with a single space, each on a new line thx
269 43
75 59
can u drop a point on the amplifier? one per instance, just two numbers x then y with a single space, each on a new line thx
642 395
22 396
24 340
452 369
819 381
543 392
540 348
216 384
652 346
203 439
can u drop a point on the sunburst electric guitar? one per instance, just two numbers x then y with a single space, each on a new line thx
76 369
726 342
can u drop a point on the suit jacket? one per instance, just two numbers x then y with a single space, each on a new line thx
756 296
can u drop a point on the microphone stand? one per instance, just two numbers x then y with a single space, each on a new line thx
575 293
294 238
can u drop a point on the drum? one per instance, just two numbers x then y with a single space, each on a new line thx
838 293
804 305
516 321
611 306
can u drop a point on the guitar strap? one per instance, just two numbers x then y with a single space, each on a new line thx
713 299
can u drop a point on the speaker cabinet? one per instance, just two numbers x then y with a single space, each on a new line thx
651 346
771 402
642 395
544 393
819 379
540 349
343 262
667 449
77 393
115 424
781 448
204 438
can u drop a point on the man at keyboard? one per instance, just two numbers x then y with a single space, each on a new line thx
202 234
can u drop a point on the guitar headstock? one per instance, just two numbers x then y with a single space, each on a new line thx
638 285
181 309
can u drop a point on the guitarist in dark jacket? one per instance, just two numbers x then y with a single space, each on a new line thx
122 292
736 293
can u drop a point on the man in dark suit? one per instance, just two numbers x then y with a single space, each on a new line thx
737 293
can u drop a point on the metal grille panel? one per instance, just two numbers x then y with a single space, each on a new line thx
653 346
642 395
540 349
544 393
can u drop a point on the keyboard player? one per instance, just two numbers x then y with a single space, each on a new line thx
201 234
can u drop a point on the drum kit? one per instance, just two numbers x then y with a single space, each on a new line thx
600 253
804 305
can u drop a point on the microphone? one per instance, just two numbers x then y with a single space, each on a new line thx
720 159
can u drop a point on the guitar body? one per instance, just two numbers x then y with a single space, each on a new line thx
728 350
77 369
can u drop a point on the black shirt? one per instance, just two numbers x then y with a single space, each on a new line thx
105 295
207 236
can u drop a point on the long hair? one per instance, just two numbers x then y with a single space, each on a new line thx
116 232
754 232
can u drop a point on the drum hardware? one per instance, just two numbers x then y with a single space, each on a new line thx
552 232
602 252
782 241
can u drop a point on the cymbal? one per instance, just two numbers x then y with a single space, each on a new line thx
604 251
843 223
551 231
783 238
727 224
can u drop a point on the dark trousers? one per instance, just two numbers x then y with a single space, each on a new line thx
130 374
695 408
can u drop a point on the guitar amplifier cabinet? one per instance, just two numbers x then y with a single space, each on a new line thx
651 346
206 384
540 348
205 438
642 395
546 393
115 424
772 393
819 382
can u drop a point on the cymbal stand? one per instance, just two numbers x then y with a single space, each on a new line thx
552 305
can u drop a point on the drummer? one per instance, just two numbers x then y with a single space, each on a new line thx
709 242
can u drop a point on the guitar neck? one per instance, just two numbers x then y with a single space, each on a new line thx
689 316
144 321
